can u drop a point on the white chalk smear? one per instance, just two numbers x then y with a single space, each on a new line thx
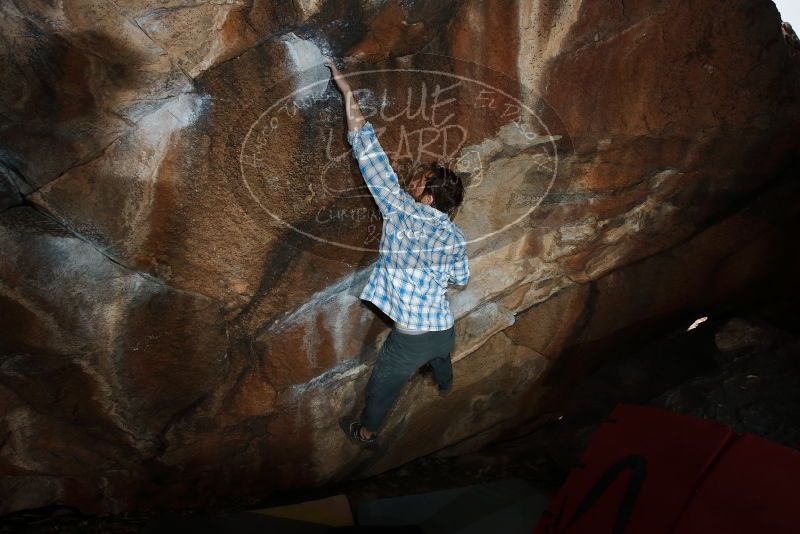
311 74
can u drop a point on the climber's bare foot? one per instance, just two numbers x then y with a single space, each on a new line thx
366 434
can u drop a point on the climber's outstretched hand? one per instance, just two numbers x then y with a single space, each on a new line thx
355 119
338 77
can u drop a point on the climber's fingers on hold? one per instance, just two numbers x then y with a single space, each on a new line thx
329 62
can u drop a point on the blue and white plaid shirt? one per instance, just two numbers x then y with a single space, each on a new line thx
421 249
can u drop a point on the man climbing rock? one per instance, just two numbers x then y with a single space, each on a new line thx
421 251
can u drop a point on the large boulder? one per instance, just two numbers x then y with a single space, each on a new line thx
184 244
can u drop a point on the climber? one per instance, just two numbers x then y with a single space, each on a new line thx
421 251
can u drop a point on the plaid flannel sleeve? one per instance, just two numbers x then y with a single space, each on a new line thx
459 274
377 171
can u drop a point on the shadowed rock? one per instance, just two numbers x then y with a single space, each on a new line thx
184 248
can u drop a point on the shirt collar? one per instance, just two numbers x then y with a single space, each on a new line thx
430 209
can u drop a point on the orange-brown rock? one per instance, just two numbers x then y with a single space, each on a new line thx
184 243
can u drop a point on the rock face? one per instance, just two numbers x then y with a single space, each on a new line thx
184 246
754 389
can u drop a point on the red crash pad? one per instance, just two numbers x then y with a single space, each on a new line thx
655 456
649 470
753 488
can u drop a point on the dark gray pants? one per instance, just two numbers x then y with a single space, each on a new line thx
398 359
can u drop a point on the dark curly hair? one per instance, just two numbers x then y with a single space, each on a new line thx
446 188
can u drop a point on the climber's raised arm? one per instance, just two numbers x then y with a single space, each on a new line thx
372 160
355 119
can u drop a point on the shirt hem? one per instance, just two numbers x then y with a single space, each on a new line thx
396 321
